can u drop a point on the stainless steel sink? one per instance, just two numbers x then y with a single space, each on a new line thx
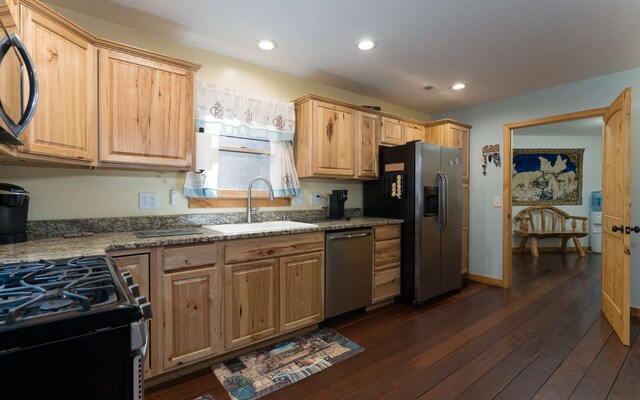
269 226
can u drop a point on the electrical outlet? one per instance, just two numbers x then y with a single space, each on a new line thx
148 200
314 199
497 201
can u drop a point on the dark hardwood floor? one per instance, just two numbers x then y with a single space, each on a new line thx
545 338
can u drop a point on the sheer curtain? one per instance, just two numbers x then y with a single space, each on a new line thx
230 113
282 170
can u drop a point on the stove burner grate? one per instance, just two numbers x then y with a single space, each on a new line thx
34 290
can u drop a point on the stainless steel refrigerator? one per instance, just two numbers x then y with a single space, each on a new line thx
422 184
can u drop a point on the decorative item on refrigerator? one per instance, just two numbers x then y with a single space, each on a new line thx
394 185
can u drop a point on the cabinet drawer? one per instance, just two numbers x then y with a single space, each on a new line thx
386 284
259 248
387 252
189 256
387 232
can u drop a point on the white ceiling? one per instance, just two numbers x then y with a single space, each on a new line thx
578 128
500 48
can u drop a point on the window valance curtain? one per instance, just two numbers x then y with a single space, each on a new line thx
229 113
233 113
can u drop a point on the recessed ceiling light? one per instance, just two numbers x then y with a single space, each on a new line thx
266 44
458 86
366 44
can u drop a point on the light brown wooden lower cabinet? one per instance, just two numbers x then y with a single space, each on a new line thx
301 291
386 269
192 303
386 284
250 302
268 287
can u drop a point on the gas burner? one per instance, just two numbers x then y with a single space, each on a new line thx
37 290
55 305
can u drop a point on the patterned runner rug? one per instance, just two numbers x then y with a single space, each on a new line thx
267 370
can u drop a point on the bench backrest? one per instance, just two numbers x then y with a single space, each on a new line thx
548 219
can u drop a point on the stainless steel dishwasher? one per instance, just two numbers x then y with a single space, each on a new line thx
348 271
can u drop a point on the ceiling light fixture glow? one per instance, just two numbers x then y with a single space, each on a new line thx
366 44
458 86
266 44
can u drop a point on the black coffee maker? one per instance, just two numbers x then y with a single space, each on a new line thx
336 202
14 207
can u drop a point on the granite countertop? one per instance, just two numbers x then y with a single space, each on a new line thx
61 248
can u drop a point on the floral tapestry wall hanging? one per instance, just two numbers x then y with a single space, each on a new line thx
547 177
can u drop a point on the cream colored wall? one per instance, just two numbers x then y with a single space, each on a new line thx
72 193
75 193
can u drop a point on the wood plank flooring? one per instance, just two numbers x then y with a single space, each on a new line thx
545 338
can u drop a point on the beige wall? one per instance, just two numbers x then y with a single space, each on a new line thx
72 193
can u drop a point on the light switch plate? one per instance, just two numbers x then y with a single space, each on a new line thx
148 201
497 201
314 199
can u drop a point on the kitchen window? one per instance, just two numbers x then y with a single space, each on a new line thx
240 137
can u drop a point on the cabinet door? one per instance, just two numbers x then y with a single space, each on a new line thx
250 302
64 123
138 266
464 145
334 140
301 291
391 132
465 204
413 132
146 112
367 145
192 306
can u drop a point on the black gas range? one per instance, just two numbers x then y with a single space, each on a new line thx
72 329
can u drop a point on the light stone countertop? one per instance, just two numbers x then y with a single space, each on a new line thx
62 248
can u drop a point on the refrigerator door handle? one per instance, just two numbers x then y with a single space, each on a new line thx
440 185
445 212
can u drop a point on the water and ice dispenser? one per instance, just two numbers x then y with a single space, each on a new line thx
596 222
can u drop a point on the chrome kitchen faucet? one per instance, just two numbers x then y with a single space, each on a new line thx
257 178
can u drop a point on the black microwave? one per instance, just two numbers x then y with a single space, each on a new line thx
13 122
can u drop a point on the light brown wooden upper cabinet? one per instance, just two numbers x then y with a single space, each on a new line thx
325 139
339 140
367 145
413 131
301 290
146 111
450 133
391 131
64 123
250 302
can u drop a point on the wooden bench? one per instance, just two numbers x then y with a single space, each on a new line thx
542 222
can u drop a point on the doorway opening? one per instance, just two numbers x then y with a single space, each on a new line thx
556 188
548 164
